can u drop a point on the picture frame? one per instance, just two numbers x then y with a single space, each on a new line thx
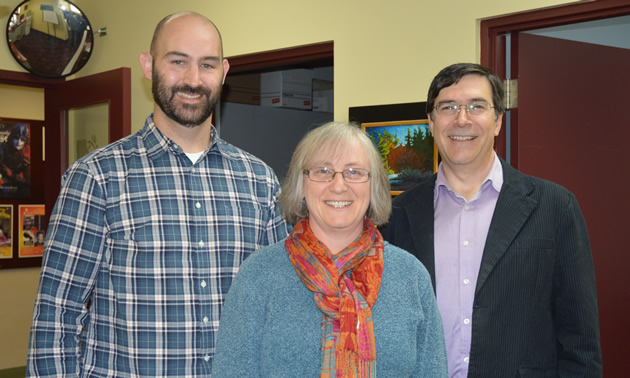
15 160
408 151
31 192
32 231
391 115
6 232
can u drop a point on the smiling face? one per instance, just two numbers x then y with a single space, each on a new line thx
466 142
187 69
336 209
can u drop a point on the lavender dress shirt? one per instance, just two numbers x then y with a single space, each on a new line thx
461 228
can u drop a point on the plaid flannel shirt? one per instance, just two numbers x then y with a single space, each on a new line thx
142 249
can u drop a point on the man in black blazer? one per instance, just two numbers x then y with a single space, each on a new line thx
508 254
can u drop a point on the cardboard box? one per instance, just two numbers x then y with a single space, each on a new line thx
242 89
287 89
323 96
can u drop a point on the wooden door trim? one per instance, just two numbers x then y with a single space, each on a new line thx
25 79
493 45
544 18
119 118
291 55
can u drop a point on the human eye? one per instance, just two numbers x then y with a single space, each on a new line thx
481 105
353 172
209 62
478 107
178 64
321 173
176 59
447 107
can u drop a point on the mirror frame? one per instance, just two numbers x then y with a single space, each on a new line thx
52 15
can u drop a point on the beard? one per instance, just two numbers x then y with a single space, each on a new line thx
188 115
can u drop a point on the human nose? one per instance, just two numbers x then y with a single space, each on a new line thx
192 77
462 113
338 182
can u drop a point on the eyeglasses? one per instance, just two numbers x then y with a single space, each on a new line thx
350 175
475 108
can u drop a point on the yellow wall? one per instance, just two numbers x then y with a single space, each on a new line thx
21 102
17 296
385 52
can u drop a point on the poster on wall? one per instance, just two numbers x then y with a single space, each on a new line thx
15 160
32 230
6 231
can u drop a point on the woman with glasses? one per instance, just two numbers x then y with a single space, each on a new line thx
333 299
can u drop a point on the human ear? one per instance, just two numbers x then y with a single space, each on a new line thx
146 64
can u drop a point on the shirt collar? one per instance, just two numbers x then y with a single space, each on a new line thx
157 143
494 178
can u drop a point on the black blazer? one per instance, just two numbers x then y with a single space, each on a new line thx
535 307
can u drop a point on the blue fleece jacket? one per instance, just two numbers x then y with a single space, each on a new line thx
271 327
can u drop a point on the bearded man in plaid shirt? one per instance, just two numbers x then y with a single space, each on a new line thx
148 232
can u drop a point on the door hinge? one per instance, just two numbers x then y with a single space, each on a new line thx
511 93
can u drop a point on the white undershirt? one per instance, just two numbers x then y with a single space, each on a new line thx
194 156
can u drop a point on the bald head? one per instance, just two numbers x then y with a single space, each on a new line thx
187 70
157 34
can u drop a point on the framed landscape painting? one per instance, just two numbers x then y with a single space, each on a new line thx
408 151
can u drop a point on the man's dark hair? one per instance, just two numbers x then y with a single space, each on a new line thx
453 74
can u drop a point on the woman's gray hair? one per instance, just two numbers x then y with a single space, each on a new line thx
329 140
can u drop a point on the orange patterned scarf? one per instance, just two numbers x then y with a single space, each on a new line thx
346 286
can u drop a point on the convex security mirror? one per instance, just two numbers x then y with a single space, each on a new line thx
50 38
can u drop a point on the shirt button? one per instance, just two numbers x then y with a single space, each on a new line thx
466 207
466 281
197 205
466 359
203 284
206 358
466 321
205 319
466 243
201 243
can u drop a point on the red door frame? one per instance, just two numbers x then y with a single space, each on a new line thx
493 33
60 95
292 55
493 52
112 87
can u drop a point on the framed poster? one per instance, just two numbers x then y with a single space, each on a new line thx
32 230
15 160
6 231
21 184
